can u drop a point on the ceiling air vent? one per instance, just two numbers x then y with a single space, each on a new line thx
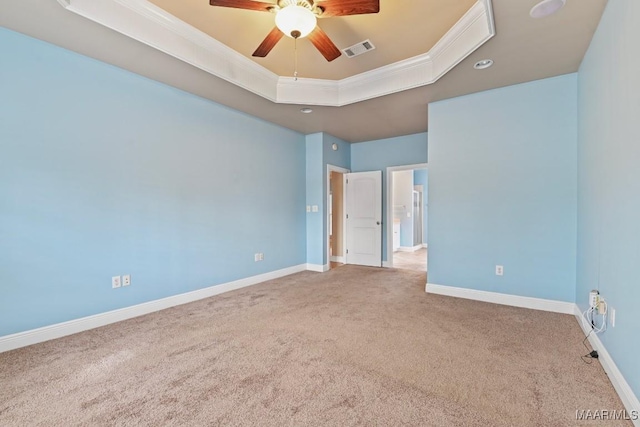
359 48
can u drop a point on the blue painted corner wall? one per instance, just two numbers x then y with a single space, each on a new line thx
319 154
502 190
609 180
105 173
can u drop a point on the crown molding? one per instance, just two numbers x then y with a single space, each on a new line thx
151 25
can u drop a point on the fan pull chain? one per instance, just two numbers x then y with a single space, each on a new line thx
295 56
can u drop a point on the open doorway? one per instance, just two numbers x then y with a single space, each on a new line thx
408 198
336 217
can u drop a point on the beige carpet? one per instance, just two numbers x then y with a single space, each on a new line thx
354 346
411 260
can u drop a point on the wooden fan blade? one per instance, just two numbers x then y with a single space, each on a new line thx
348 7
323 43
243 4
268 43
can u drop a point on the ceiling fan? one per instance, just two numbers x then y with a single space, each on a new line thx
298 18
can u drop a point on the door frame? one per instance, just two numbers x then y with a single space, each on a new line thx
389 208
421 197
343 171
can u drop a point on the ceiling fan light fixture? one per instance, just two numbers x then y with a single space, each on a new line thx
546 8
295 19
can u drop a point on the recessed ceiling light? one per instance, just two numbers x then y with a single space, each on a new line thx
546 8
485 63
306 110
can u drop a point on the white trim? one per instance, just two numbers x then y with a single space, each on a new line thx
340 259
504 299
389 204
318 268
409 248
387 264
152 25
425 245
46 333
628 397
343 171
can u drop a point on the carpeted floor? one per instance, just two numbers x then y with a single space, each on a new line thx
354 346
411 260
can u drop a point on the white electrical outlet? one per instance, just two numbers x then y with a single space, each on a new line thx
594 298
499 270
115 282
612 314
261 256
256 257
308 208
314 208
126 280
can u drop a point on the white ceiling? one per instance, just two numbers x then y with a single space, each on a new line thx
523 49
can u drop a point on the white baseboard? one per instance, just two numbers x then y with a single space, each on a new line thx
387 264
338 259
46 333
504 299
425 245
628 397
408 248
318 268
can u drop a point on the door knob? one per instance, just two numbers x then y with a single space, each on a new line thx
377 222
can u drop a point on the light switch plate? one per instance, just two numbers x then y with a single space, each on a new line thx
314 208
116 282
613 317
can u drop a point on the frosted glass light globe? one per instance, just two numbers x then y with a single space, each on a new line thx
296 18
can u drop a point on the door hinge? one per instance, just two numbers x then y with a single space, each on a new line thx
347 250
347 216
347 180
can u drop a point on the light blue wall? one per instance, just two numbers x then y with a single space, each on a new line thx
502 190
319 154
609 179
340 158
421 177
314 184
384 153
105 173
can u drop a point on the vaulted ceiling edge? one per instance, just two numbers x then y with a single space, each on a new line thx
152 25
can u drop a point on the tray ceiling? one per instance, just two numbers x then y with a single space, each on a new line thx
524 49
402 29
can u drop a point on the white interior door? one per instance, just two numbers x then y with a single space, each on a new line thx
364 218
